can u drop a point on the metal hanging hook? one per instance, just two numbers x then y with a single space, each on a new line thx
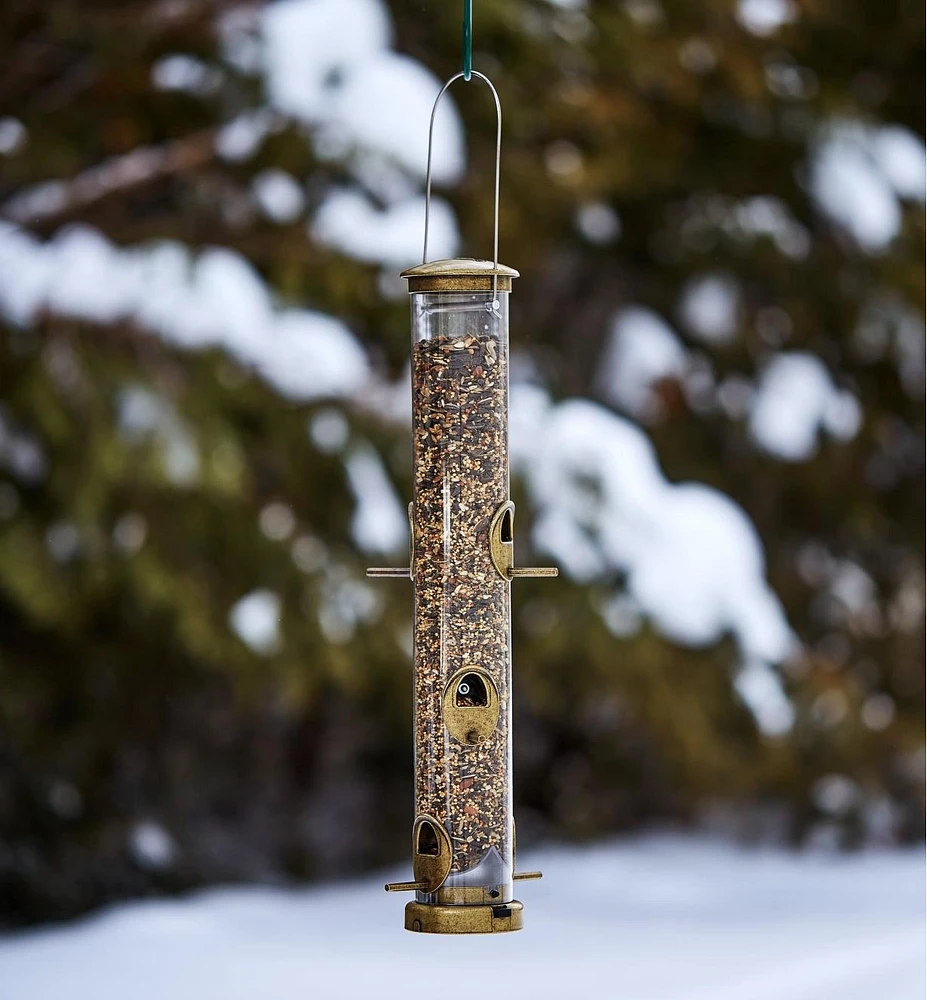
431 131
467 60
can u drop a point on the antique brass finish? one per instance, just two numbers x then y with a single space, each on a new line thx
405 887
470 706
432 853
484 919
459 275
502 539
502 546
520 876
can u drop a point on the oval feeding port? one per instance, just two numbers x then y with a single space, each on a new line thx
471 705
431 853
471 692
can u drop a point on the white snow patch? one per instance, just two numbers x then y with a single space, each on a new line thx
13 135
214 299
183 72
693 560
255 619
279 194
710 306
328 64
738 924
760 688
598 222
765 215
859 174
765 17
641 351
901 156
329 430
240 138
796 397
349 222
152 846
380 522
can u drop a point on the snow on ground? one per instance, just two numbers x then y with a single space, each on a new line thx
652 919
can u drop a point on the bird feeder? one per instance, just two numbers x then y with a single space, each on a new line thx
462 565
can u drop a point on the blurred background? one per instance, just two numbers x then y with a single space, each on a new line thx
717 424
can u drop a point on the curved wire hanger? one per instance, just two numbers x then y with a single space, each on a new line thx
466 73
431 130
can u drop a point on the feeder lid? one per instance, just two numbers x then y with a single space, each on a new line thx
462 274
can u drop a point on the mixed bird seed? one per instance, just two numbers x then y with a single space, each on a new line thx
459 400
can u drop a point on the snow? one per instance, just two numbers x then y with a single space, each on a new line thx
641 351
329 430
860 175
901 157
380 522
349 222
240 138
661 918
214 298
279 195
183 72
598 222
277 521
760 689
327 63
255 619
692 557
152 846
766 17
710 306
13 135
796 398
878 712
765 215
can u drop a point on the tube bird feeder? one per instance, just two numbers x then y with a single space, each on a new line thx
462 566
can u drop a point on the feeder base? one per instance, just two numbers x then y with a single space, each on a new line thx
427 918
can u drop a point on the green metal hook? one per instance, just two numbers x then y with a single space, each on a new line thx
468 39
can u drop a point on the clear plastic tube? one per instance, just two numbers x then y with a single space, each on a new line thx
462 712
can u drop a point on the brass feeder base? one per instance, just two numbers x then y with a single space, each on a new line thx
427 918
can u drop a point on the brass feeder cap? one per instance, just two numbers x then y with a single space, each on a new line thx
428 918
462 274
